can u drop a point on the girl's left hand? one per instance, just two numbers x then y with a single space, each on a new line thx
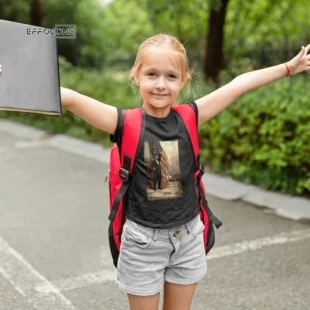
301 62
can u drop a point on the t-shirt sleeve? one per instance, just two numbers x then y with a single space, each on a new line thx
194 105
118 131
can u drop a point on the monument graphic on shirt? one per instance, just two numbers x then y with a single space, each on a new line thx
163 169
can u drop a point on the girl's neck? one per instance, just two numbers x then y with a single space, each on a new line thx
156 112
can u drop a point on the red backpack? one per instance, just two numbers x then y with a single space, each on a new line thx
122 163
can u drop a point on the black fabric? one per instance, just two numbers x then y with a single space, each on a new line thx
217 223
148 203
117 201
116 138
113 249
194 106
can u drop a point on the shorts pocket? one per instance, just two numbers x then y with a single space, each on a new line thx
198 228
132 237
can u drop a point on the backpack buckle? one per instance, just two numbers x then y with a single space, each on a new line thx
201 171
124 174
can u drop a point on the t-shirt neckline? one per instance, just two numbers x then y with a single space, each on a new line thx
160 119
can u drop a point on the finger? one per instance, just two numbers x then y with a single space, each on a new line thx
306 50
302 53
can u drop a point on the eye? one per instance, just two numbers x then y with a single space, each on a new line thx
172 76
151 74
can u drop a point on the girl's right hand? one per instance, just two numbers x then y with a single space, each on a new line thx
0 68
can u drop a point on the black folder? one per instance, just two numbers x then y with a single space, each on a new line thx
29 81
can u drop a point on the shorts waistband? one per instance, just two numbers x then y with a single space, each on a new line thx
155 233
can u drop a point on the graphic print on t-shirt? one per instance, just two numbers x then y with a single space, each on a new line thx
163 169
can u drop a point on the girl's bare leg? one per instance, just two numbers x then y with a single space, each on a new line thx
143 302
178 297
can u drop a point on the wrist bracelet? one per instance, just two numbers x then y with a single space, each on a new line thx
288 70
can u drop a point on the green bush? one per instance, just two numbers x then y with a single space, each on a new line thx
263 138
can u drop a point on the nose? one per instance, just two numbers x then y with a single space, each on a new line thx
161 84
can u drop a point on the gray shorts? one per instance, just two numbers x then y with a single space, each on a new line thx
149 257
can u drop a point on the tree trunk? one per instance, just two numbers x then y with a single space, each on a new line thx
36 13
215 39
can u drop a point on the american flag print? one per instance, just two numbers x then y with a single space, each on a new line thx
163 169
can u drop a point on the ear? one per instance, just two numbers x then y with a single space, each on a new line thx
184 81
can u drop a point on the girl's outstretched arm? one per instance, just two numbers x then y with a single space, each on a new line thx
212 104
96 113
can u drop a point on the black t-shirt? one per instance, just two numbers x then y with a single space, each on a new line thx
162 191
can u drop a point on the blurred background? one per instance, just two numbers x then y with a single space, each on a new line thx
262 139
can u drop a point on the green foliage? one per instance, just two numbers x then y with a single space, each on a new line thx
126 26
267 24
263 138
185 19
18 10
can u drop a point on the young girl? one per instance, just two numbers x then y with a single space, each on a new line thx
162 240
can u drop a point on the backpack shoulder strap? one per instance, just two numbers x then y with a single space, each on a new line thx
189 118
133 125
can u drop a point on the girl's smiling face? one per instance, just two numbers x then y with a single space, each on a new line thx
160 81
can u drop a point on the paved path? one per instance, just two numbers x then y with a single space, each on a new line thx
54 251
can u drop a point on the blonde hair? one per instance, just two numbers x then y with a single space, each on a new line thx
167 41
